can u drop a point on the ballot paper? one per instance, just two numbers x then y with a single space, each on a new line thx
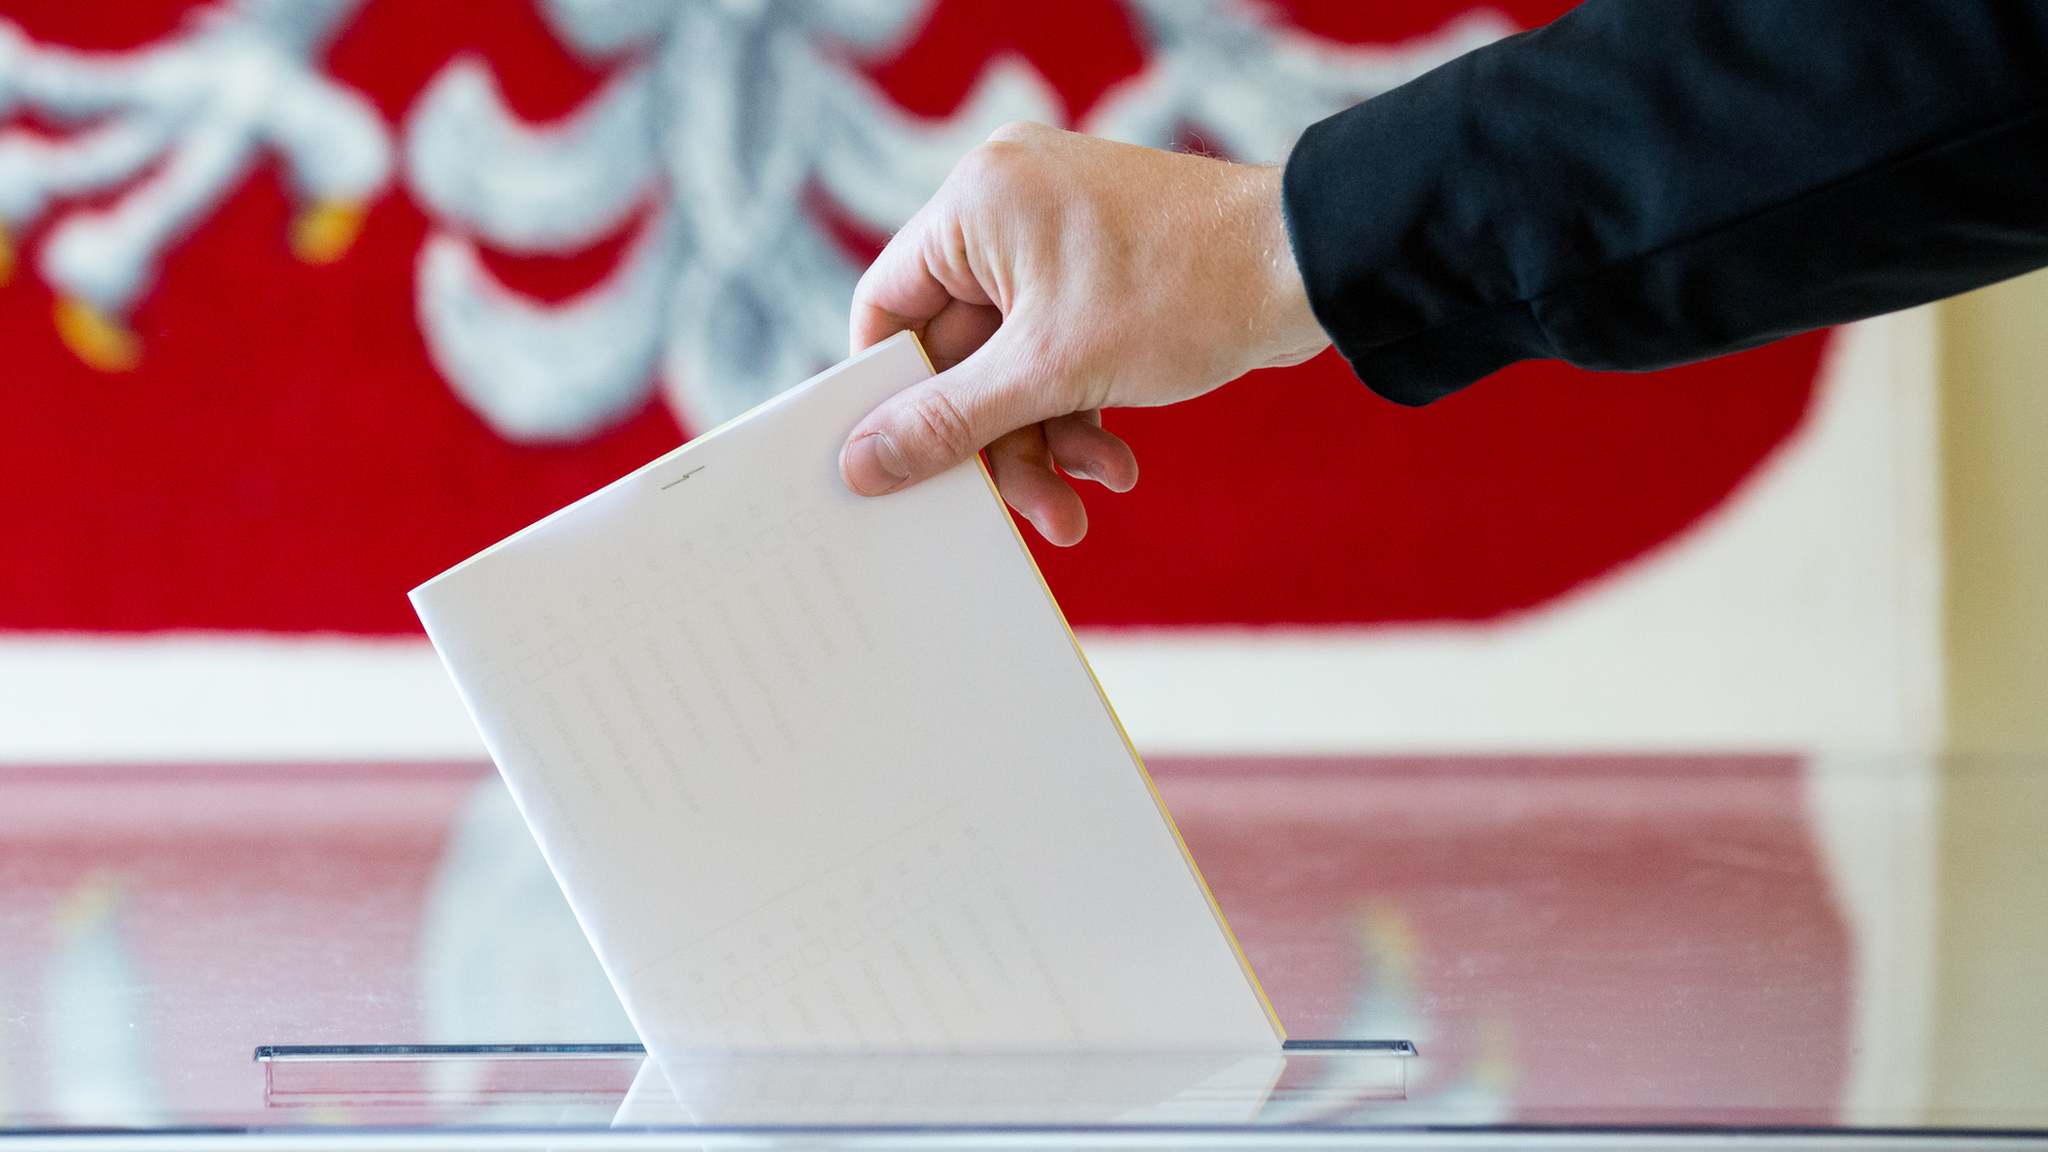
820 773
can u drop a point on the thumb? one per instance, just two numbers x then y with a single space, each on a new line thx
930 427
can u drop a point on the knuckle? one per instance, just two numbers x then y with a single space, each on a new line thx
1011 153
988 163
1018 131
941 429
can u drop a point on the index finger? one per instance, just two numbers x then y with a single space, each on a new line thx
921 273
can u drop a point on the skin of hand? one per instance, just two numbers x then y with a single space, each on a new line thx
1055 275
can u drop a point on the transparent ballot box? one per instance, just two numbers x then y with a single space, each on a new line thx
1303 1081
1476 951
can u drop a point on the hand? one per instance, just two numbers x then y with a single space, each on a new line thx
1055 275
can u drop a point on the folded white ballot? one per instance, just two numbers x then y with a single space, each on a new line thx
821 773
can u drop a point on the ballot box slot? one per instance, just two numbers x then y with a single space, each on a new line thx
378 1075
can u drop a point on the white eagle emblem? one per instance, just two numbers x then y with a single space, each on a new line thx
730 121
189 117
735 114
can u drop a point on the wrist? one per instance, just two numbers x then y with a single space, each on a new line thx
1283 323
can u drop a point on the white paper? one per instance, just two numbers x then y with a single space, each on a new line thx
821 773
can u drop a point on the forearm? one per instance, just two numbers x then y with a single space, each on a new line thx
1647 183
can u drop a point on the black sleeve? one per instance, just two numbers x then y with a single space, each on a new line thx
1649 182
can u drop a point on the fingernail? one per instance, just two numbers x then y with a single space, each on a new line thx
872 465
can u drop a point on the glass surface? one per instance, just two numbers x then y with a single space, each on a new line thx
1660 943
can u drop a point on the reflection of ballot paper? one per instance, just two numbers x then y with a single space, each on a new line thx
821 773
1148 1088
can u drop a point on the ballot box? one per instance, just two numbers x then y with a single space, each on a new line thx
1661 949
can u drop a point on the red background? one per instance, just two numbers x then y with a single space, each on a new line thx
286 459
